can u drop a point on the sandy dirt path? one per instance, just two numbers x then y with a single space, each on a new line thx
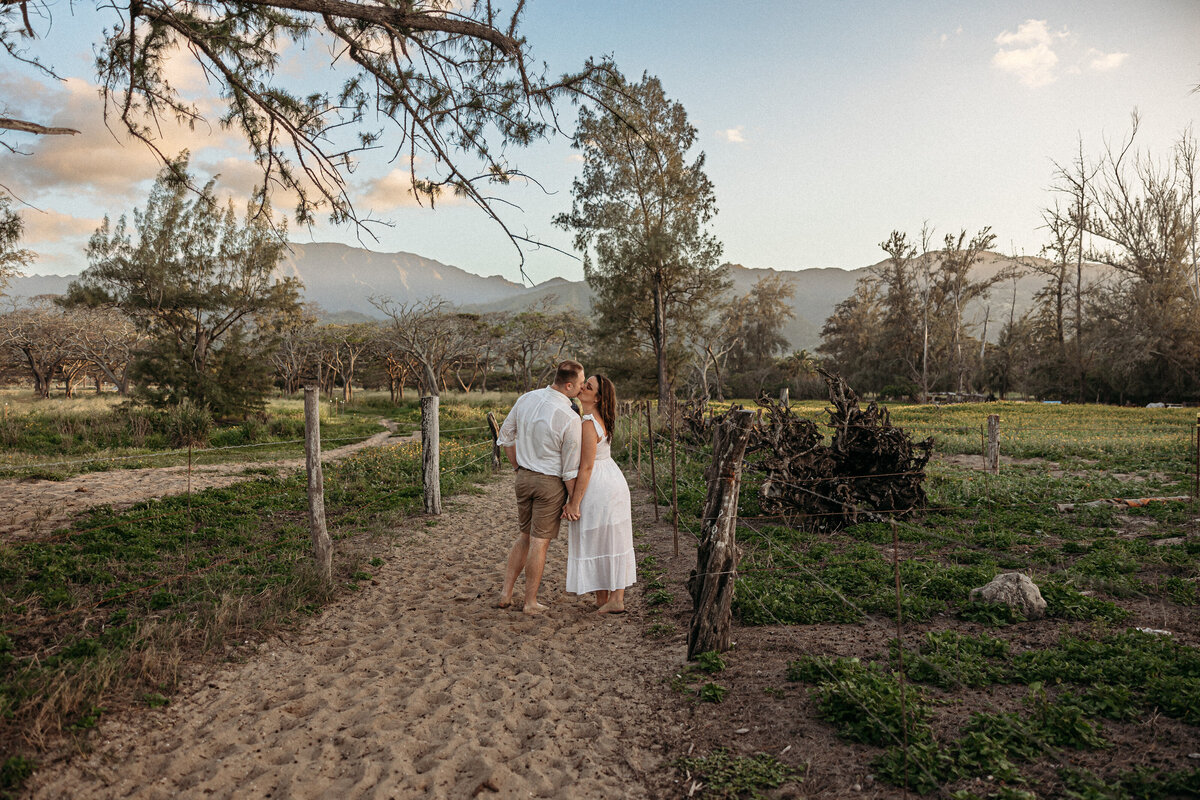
416 687
31 509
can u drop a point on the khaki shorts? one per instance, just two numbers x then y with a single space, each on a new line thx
540 502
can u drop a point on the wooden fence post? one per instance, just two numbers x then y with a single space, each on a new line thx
431 477
711 583
322 546
674 479
491 418
650 445
1196 493
993 444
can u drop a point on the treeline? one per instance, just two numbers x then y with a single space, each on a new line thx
181 305
1116 319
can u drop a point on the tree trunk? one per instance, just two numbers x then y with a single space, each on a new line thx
711 583
660 342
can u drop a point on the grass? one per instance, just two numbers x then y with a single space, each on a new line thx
1095 567
108 613
725 776
59 437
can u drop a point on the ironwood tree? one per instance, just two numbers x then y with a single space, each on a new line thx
201 285
450 87
757 319
640 214
12 257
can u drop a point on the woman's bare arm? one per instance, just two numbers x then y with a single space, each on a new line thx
587 460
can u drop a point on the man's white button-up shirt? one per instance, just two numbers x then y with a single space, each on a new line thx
546 432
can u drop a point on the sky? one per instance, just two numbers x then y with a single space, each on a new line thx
825 125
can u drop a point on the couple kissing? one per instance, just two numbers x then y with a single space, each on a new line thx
565 470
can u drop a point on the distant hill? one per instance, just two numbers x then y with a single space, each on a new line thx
342 279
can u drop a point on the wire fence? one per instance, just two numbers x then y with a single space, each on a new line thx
188 518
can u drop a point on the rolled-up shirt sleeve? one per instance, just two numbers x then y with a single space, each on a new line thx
508 430
571 449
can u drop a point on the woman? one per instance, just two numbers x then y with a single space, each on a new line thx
600 539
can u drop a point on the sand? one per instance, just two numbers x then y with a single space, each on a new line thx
414 687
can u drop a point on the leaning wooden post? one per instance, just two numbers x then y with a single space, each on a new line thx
322 546
993 444
674 479
1196 493
491 418
711 583
650 447
430 461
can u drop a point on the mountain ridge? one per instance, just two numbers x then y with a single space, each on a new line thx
342 280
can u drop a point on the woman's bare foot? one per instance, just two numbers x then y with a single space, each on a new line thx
534 609
503 602
612 607
602 598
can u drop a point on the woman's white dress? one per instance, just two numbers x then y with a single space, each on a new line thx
600 543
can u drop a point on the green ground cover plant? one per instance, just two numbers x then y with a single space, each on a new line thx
1096 566
727 777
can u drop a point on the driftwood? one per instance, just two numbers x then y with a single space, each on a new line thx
870 466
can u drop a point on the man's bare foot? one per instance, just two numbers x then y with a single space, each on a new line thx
503 602
535 608
611 608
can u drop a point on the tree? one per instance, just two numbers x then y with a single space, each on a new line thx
454 83
202 286
1142 216
956 287
429 333
639 214
110 342
757 319
12 258
40 335
535 339
848 337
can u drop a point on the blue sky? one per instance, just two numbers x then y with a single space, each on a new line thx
825 125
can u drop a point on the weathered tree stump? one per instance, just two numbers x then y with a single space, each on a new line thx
711 583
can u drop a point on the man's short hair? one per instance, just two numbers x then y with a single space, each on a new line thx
568 372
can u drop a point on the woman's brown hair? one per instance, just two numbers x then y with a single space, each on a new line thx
606 404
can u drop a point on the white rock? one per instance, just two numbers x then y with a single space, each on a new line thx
1016 590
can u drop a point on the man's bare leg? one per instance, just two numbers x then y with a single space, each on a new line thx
615 604
516 562
535 563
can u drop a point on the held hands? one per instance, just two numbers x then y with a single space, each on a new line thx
571 511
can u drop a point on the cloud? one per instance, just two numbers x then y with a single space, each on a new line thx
1105 62
733 135
395 190
101 161
52 226
1029 53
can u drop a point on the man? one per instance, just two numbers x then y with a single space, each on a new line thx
541 436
